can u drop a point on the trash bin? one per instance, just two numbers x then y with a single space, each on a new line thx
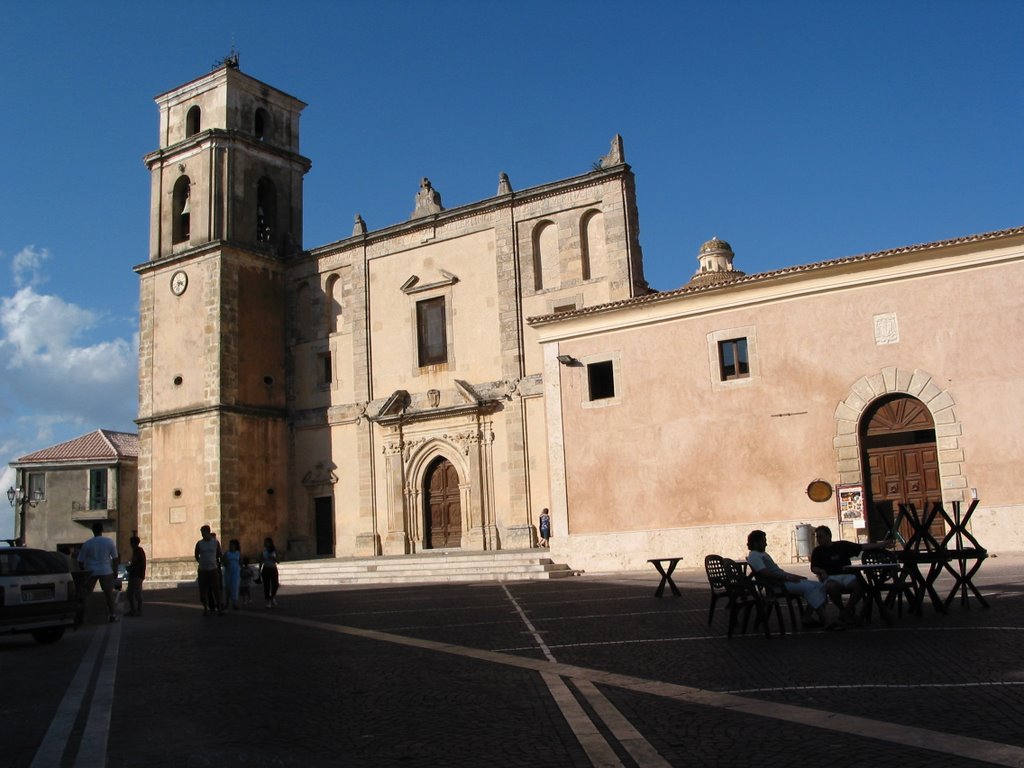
804 540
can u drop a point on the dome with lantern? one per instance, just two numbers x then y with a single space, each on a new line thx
715 258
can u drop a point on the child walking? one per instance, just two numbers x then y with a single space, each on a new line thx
545 527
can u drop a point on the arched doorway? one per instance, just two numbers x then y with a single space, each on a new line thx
897 441
443 510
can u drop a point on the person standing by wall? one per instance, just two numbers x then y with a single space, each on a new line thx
544 527
268 572
136 575
208 555
98 556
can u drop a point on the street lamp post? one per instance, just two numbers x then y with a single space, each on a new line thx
18 499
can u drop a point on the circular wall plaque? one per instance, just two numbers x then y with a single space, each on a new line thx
819 490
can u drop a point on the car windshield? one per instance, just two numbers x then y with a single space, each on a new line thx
31 562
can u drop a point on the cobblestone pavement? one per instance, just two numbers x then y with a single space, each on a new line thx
582 671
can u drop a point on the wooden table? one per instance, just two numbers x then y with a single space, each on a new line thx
666 574
925 557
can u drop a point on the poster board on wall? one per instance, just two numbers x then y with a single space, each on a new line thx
850 500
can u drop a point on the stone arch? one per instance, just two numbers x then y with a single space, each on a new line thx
261 126
266 211
546 265
193 121
938 401
417 465
593 249
335 309
181 205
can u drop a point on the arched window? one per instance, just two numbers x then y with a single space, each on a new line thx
593 252
193 121
334 307
261 124
545 256
266 211
181 210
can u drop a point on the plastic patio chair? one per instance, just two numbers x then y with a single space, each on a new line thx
714 567
744 595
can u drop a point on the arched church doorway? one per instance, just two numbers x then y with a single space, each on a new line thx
443 510
897 440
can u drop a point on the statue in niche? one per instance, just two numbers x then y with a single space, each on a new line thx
428 200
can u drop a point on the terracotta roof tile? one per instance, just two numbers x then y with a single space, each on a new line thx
101 444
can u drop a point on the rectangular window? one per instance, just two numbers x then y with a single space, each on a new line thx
430 332
326 370
97 489
36 486
732 359
601 380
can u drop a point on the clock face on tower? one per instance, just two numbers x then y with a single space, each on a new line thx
179 282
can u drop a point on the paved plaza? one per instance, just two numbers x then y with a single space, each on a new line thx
590 670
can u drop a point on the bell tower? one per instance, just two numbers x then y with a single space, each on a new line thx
225 218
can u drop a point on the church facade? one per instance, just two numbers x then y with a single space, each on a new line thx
382 394
435 384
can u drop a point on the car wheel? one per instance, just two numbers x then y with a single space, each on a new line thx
48 635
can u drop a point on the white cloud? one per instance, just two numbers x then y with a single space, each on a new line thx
27 266
60 377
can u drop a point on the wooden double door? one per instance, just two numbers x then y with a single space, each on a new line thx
442 506
901 461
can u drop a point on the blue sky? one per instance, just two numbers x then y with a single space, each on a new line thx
797 131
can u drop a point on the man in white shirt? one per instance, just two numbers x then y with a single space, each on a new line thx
766 571
208 555
98 556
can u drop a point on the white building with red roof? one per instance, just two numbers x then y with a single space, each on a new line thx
69 486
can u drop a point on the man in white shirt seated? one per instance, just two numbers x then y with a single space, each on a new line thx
767 572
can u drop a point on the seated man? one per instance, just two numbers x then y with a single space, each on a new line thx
765 570
829 559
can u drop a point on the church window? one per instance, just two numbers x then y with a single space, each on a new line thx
326 369
601 380
266 211
97 489
261 124
193 120
181 204
733 360
430 331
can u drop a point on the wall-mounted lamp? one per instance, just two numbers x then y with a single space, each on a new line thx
18 499
567 360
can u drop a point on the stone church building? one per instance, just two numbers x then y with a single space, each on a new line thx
382 394
434 384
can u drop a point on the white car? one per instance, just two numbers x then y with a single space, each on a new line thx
37 593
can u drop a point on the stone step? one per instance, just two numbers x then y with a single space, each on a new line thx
441 567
